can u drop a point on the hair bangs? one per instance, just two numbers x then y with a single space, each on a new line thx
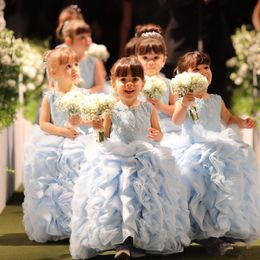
149 45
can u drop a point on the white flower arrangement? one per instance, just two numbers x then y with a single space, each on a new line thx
95 105
245 72
10 63
189 82
98 51
33 79
155 87
71 102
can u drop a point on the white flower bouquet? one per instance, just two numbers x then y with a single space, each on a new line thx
245 72
189 82
10 67
71 103
98 51
95 105
154 87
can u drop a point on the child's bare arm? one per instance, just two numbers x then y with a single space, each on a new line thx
155 132
47 126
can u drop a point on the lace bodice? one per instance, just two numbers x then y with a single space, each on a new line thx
209 111
130 124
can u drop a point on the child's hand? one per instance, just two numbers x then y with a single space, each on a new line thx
75 120
155 134
70 132
155 102
248 123
97 124
187 99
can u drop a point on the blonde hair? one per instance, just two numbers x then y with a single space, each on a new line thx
58 56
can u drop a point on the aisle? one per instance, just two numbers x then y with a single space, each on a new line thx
14 243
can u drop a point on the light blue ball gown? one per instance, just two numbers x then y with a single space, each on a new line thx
87 71
51 165
131 187
221 175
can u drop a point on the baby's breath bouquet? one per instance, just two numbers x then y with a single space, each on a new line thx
245 71
10 65
189 82
95 105
155 87
71 103
98 51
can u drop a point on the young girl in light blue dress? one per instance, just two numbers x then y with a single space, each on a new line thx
217 167
77 35
129 195
53 155
150 50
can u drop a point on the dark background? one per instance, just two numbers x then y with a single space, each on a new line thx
38 18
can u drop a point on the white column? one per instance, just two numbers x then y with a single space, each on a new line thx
3 169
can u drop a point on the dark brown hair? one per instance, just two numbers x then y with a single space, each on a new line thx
191 60
148 44
75 27
149 27
125 66
130 47
68 13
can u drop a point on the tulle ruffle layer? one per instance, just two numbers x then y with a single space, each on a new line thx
129 190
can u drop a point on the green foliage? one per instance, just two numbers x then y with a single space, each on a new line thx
246 87
22 77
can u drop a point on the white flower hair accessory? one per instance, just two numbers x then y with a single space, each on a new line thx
150 34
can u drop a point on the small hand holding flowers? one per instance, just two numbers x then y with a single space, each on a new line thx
154 88
94 107
189 85
71 103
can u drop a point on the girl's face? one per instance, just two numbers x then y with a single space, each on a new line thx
128 88
152 63
67 73
81 42
205 70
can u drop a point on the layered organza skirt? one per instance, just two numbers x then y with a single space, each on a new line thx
129 190
51 167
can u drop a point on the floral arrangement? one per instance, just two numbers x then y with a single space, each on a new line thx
71 102
95 105
33 79
245 71
22 78
10 55
154 87
189 82
98 51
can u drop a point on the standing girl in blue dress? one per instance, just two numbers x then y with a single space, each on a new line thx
77 35
151 51
217 167
53 155
129 196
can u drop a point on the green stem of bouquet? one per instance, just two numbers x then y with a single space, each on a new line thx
100 136
193 113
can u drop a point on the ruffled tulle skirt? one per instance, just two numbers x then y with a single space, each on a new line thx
51 167
222 178
129 190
